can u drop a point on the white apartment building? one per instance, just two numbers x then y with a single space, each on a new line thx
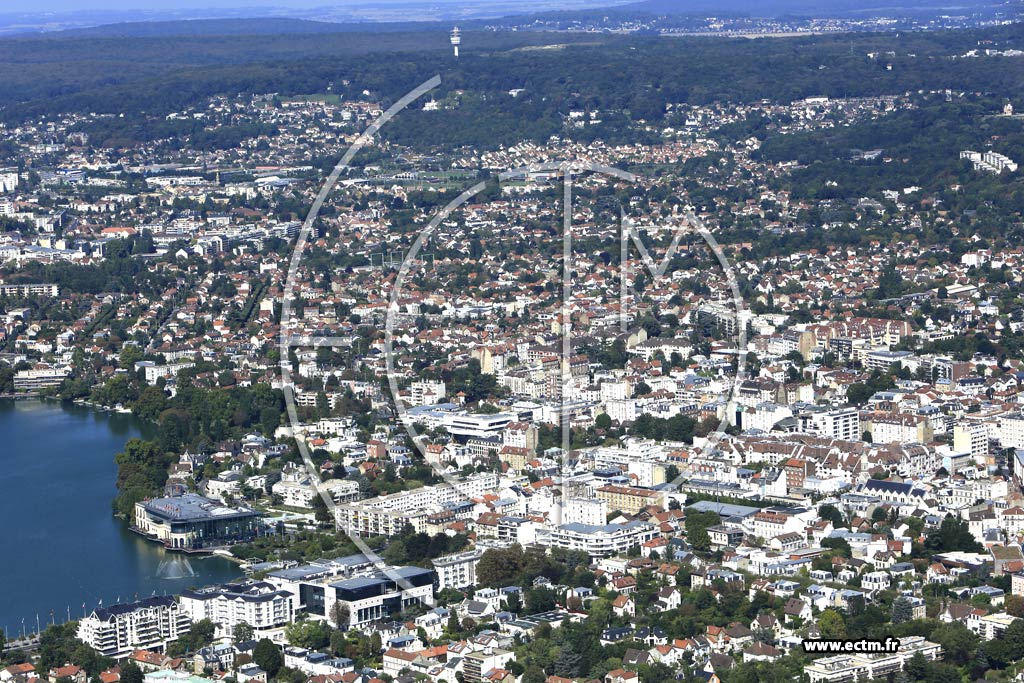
8 181
622 410
41 378
899 428
426 393
387 515
991 626
764 416
119 630
29 290
261 605
597 541
1011 431
768 525
153 372
298 490
842 424
971 437
457 571
589 511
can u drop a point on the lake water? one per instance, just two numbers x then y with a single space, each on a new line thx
60 546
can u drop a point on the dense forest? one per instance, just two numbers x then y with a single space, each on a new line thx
626 78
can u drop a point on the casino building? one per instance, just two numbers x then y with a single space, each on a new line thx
192 523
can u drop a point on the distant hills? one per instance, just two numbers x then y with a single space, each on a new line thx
232 27
817 8
270 20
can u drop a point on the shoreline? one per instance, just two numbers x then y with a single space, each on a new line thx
235 569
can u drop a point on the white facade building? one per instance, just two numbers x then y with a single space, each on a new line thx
261 605
119 630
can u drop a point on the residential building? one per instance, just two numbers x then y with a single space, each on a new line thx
119 630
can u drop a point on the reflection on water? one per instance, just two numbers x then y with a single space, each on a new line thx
63 551
175 568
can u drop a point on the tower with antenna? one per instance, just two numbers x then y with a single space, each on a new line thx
456 39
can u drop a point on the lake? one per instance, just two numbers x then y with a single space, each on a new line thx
60 546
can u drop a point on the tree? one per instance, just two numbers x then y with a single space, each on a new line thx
952 534
243 632
130 355
500 567
340 614
534 674
697 524
902 610
321 513
832 625
917 667
268 657
567 663
958 642
832 514
131 673
311 635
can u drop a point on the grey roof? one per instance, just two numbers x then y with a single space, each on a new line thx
723 509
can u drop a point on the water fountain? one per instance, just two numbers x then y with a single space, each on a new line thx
175 568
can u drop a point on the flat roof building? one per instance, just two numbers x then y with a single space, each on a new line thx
191 522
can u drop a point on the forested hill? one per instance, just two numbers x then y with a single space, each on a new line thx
627 77
45 72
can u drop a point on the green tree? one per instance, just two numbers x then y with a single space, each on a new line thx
340 614
697 524
832 625
311 635
902 610
268 657
832 514
130 355
243 632
952 534
958 642
131 673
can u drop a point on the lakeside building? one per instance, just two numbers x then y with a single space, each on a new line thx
40 378
259 604
193 523
119 630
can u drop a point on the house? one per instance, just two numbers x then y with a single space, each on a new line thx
610 636
621 676
765 623
761 652
634 658
18 673
624 585
668 598
624 606
68 672
796 609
